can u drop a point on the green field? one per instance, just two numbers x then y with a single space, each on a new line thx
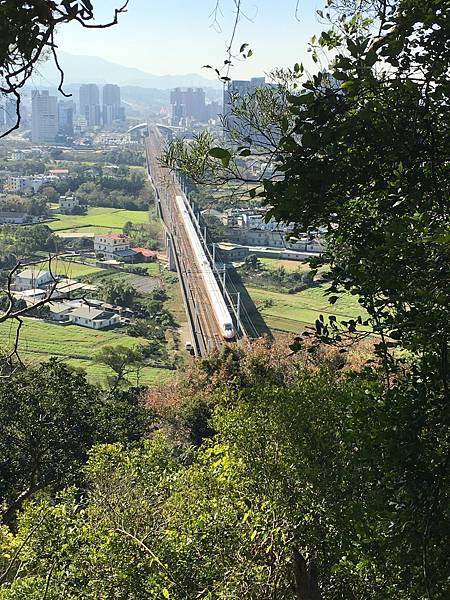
97 373
152 267
98 219
75 345
74 270
291 312
289 265
69 269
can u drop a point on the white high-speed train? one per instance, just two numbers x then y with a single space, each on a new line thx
218 305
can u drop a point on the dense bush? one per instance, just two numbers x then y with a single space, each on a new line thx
278 279
310 463
51 417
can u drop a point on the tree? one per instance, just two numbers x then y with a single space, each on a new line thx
127 228
51 417
299 492
47 427
340 160
27 34
123 361
118 291
361 148
252 263
50 193
30 239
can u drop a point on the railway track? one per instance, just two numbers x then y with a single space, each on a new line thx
204 324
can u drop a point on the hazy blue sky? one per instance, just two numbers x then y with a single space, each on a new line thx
176 36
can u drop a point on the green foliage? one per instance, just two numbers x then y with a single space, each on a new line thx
50 418
216 228
146 329
130 192
341 159
363 151
300 478
50 193
252 263
24 166
292 471
222 154
122 360
117 291
143 235
125 157
22 241
34 206
277 279
352 165
152 308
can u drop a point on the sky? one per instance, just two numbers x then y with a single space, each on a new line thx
178 36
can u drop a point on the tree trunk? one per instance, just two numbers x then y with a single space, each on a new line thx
9 514
305 575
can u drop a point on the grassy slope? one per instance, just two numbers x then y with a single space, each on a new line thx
99 219
39 341
152 267
70 269
73 270
289 265
290 312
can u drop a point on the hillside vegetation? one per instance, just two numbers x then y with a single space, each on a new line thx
314 466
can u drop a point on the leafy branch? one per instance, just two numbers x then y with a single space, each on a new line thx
27 35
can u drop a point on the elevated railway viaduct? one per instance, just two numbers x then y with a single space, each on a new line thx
207 300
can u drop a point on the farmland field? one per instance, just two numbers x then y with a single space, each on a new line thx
75 345
98 220
97 373
291 312
69 269
289 265
152 267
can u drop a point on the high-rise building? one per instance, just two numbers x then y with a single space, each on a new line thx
232 94
44 117
10 112
111 108
90 104
188 104
213 110
65 117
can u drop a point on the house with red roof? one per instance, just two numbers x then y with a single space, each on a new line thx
147 255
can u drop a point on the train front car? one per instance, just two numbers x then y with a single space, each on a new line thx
228 332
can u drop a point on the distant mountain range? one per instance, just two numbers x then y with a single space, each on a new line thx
93 69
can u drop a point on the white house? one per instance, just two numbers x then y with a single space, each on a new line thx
108 244
32 279
15 218
22 183
59 311
67 204
94 318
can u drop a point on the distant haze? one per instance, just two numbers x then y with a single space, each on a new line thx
93 69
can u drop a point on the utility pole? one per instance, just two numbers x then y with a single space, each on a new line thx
238 313
196 320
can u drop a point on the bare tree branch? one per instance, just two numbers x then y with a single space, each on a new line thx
29 30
